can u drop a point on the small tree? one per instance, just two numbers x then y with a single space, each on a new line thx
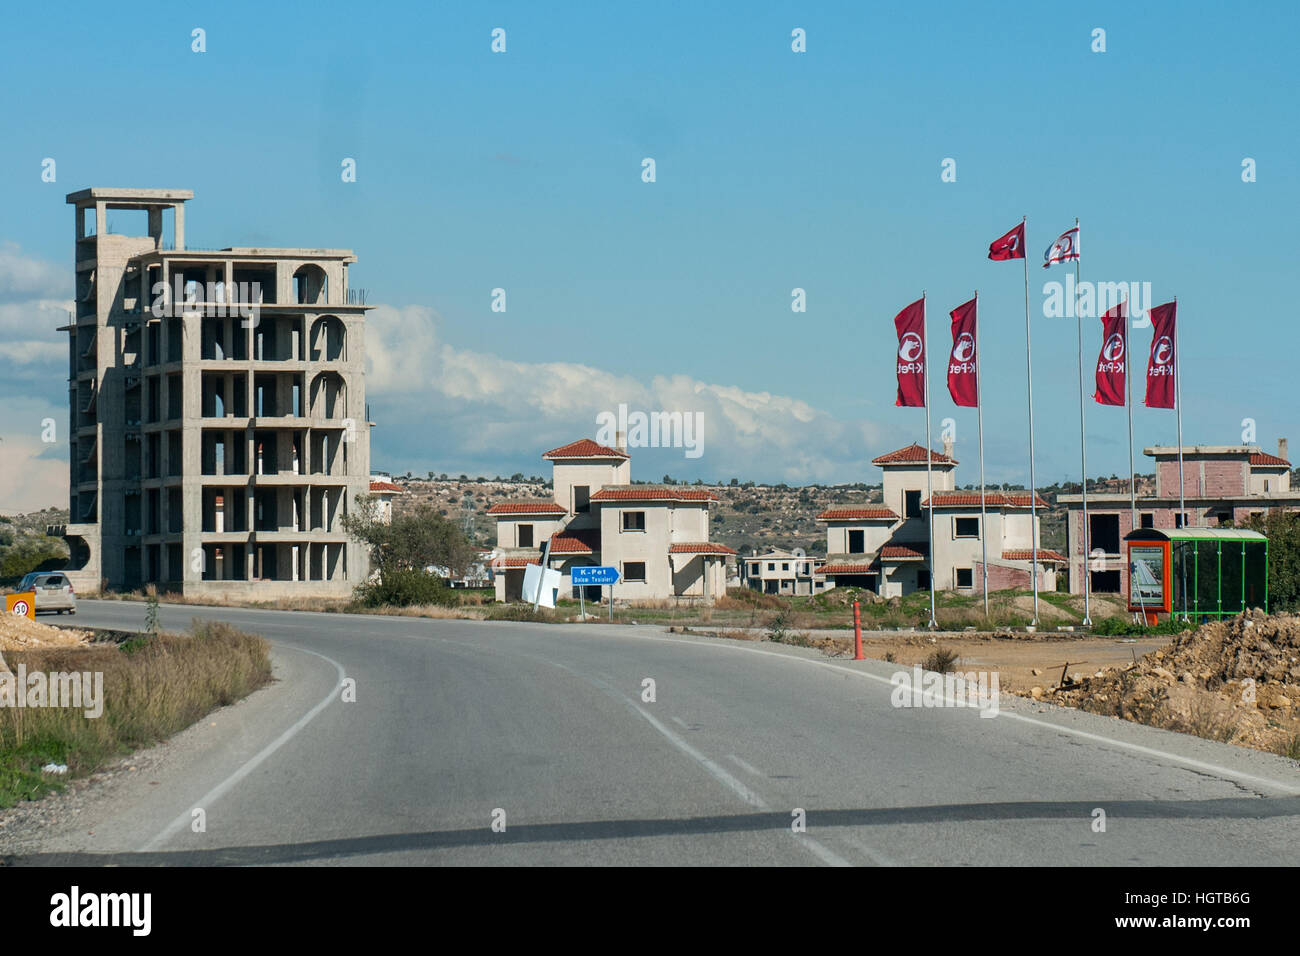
1282 528
412 541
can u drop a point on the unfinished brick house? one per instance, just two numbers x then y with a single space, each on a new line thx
1223 486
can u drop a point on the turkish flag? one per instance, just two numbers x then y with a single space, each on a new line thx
1112 363
910 325
963 384
1010 246
1160 367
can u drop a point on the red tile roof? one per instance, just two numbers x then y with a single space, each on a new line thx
699 547
992 499
514 562
385 486
585 448
866 513
653 493
1261 458
912 454
586 541
843 569
900 552
525 508
1026 554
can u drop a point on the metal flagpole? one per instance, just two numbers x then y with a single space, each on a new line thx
1083 441
929 480
1178 404
979 406
1033 484
1132 474
1128 400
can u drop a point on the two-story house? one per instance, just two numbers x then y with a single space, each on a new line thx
782 572
657 536
886 547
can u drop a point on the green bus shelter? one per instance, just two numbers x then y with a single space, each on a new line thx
1198 572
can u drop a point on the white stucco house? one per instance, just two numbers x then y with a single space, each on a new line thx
657 536
885 547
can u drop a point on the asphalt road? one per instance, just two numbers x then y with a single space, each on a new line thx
456 723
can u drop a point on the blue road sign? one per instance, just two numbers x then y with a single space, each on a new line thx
596 577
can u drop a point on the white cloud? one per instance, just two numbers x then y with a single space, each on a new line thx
482 409
23 278
31 479
32 473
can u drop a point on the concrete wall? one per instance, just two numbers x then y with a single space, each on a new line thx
875 534
595 473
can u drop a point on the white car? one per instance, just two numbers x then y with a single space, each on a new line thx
53 591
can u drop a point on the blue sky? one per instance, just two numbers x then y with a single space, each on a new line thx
775 170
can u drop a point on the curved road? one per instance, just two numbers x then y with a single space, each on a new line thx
456 723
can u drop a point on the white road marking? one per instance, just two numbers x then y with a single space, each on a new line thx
749 796
1086 735
677 720
744 766
221 789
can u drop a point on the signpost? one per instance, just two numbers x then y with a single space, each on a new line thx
594 576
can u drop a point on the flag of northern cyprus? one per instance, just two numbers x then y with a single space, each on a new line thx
1064 249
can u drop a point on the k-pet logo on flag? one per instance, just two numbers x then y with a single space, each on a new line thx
1065 248
1010 246
910 325
1161 367
963 384
1113 361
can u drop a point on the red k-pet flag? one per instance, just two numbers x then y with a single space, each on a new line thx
910 325
963 384
1161 365
1010 246
1064 249
1112 363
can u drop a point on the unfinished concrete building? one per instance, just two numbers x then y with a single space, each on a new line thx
219 428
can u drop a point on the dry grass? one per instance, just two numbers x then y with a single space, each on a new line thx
321 604
153 687
1203 719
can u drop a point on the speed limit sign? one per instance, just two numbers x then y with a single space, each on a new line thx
23 605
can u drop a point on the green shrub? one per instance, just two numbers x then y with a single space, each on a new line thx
1120 626
778 626
940 661
405 587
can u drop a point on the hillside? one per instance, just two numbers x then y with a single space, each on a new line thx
747 516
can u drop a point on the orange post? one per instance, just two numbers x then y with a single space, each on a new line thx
857 633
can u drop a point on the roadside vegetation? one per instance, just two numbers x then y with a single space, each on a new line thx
25 547
154 685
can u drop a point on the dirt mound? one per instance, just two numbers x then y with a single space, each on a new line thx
23 634
1236 680
1047 612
